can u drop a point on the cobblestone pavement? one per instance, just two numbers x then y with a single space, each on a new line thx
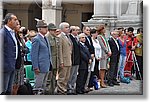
133 88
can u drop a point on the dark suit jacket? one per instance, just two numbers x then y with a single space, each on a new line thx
84 57
90 45
114 49
75 51
9 50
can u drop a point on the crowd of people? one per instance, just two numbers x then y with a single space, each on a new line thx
67 60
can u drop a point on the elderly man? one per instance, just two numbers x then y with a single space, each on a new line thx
41 55
114 59
54 43
65 51
85 59
75 60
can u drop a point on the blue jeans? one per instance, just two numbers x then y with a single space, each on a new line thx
121 66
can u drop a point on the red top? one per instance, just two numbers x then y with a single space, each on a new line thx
129 43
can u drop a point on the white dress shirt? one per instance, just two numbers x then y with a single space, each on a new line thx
14 38
116 43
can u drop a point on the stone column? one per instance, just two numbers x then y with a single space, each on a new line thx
104 13
104 8
1 13
101 7
118 9
109 12
131 17
51 11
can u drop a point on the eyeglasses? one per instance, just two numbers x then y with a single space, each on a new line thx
87 30
57 31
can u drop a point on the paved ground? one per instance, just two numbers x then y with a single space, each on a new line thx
133 88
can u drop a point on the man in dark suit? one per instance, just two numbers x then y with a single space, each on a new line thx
10 52
89 44
85 59
75 60
41 55
114 59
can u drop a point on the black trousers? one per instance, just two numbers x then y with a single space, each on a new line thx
140 64
81 79
112 72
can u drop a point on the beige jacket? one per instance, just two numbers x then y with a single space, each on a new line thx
65 50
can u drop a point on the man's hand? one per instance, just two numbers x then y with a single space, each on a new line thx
109 54
90 61
92 56
99 59
37 71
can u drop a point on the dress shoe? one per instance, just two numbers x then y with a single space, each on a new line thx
79 92
110 84
86 90
91 88
70 94
74 93
116 83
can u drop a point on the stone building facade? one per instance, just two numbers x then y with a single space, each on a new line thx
113 13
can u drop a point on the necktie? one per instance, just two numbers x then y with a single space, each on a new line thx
46 41
76 39
66 36
85 47
88 40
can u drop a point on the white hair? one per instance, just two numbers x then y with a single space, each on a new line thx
61 25
81 35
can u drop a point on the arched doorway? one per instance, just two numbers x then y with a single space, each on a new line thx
34 11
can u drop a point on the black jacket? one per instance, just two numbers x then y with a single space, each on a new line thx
84 57
75 51
114 49
90 45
